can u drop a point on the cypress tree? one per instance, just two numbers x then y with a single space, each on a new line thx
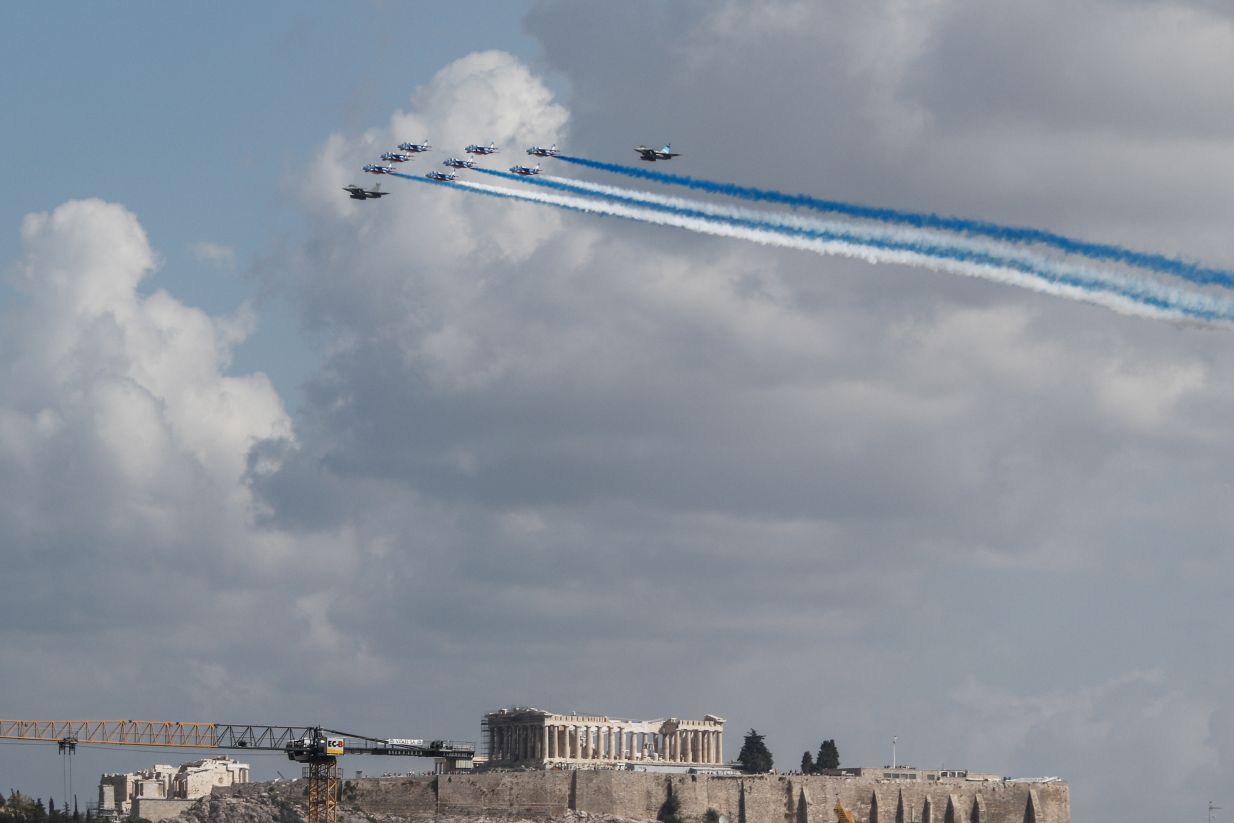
754 757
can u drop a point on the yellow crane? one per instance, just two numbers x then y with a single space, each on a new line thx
316 747
843 815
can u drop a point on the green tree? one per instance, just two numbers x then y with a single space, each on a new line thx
754 757
807 763
828 756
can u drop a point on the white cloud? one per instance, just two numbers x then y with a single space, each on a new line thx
123 454
214 253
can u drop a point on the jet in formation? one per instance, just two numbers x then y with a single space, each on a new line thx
415 147
443 176
456 163
374 169
359 193
491 148
526 170
540 151
395 157
652 155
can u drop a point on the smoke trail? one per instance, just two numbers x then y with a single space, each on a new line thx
913 240
969 264
1011 234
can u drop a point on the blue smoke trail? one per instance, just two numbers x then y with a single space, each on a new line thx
1128 291
1145 293
1192 272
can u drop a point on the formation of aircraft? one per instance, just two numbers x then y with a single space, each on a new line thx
359 193
407 151
652 155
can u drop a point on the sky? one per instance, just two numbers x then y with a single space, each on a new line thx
270 455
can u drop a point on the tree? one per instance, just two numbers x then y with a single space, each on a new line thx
807 763
828 756
754 757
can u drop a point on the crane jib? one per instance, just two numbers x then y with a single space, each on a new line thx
296 741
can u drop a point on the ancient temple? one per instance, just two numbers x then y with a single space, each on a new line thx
523 736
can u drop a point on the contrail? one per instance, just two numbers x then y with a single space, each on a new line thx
931 244
970 264
1192 272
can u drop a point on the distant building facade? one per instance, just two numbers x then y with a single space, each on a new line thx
528 737
911 773
123 793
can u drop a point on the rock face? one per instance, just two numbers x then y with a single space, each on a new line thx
627 797
273 806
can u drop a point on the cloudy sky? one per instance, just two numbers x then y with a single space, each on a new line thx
269 455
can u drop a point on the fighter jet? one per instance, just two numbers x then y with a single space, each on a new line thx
491 148
395 157
540 151
456 163
443 176
526 170
372 169
415 147
358 192
652 155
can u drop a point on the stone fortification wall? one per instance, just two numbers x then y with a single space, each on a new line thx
506 793
747 799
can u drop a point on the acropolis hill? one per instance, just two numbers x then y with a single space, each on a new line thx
615 796
539 765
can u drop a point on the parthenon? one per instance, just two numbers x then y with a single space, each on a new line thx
525 736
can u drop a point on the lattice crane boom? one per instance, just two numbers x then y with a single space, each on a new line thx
317 747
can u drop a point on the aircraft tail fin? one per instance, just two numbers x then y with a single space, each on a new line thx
668 147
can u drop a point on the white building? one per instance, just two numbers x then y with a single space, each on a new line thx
527 737
121 794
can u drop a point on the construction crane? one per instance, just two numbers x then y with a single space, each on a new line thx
843 815
316 747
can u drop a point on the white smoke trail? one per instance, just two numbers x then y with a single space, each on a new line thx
1186 305
1133 287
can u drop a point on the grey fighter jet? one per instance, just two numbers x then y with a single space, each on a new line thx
359 193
